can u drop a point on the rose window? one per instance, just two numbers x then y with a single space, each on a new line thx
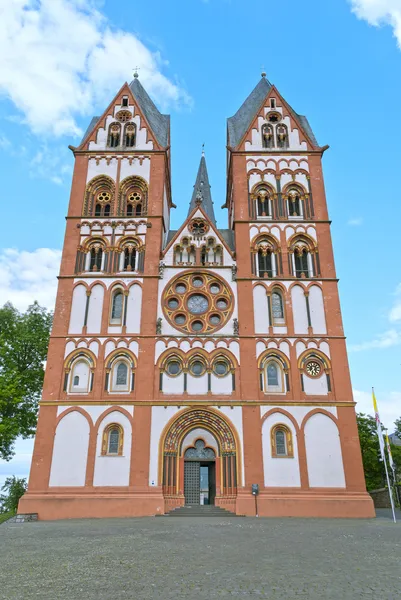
124 116
198 303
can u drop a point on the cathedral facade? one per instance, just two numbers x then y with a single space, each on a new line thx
186 366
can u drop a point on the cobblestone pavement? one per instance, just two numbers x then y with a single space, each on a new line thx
201 558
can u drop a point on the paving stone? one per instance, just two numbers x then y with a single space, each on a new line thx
201 559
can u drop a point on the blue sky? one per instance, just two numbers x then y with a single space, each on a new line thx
338 62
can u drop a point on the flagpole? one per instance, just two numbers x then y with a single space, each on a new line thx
383 454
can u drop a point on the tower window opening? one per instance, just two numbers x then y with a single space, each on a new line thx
98 210
107 210
125 101
96 255
272 103
129 258
302 262
265 264
117 308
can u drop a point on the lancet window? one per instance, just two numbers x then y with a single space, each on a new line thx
295 203
130 135
281 442
120 373
277 307
96 257
262 196
267 136
114 137
274 374
211 253
266 254
303 251
113 440
282 136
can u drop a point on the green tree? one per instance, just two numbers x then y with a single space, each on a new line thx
24 338
397 429
375 474
15 488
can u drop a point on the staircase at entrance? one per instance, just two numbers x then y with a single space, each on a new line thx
200 511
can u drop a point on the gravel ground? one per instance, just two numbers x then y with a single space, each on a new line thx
201 558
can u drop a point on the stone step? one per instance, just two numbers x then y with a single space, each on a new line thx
199 511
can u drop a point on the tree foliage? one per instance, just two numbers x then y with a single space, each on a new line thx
397 430
24 339
375 474
16 488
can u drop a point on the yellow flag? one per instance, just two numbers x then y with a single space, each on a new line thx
378 425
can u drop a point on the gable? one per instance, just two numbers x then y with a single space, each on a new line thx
137 109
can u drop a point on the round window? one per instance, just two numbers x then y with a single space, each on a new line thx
181 288
197 368
197 304
222 303
173 303
215 288
173 367
197 281
180 319
221 368
197 325
215 319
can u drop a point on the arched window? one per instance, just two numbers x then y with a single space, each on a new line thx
294 203
113 440
129 135
277 308
114 135
267 136
302 262
122 374
134 203
265 250
130 258
133 196
80 376
273 379
120 381
117 306
99 197
96 258
281 442
221 367
272 374
282 136
263 203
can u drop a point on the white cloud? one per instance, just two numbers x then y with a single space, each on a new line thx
355 222
389 406
49 163
380 12
29 276
389 338
61 58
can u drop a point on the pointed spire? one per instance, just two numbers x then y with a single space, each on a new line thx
201 195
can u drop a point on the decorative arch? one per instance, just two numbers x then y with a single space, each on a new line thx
262 199
274 372
130 250
304 256
266 257
295 198
99 192
171 448
133 197
79 370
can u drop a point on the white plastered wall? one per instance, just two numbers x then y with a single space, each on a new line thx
78 306
260 309
279 472
134 307
316 307
113 470
299 312
70 451
95 309
323 452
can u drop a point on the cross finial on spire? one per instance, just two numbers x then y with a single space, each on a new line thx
136 69
263 73
203 149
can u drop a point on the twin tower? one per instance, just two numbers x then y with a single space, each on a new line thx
185 366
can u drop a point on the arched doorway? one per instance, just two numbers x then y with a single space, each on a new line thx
199 460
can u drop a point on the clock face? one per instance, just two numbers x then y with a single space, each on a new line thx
313 368
197 304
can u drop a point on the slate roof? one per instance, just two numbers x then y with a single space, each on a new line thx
202 187
159 124
239 124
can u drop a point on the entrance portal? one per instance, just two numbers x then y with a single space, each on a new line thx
199 482
199 474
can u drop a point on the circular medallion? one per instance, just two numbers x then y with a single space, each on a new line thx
313 368
198 302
